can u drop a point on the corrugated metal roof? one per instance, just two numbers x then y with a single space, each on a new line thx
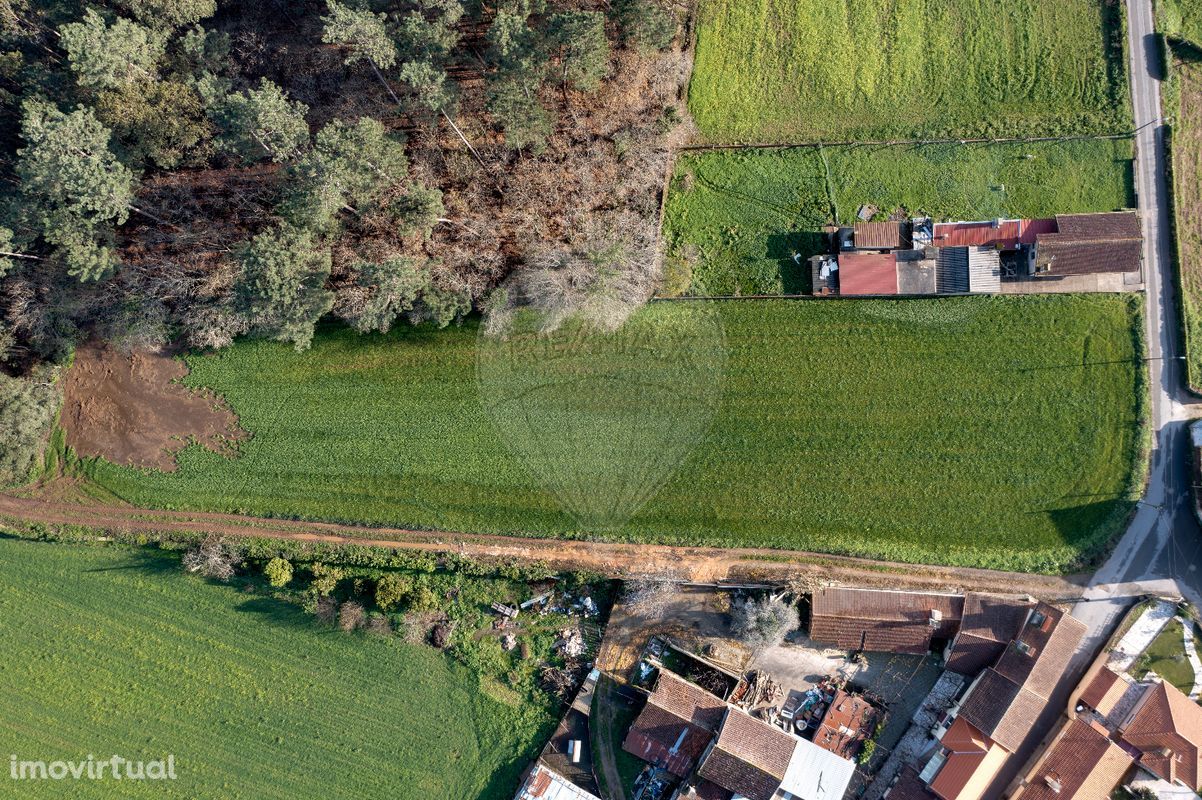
544 784
867 273
817 774
951 270
885 235
984 270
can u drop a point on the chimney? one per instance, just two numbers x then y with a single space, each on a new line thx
1053 783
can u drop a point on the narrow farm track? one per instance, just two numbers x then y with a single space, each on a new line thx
702 564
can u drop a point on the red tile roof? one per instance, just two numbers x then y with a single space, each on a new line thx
750 757
847 722
1167 730
989 623
1104 691
676 725
1087 244
1081 762
966 749
909 787
867 273
882 621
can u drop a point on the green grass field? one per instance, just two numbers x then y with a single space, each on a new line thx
997 432
736 217
1166 657
1182 18
1187 206
838 70
115 651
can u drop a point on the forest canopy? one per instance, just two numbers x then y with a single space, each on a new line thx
193 171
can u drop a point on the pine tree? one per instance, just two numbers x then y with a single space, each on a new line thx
170 13
578 37
106 56
282 288
76 189
362 33
262 123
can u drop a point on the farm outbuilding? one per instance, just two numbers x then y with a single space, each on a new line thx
676 725
883 621
867 274
877 235
968 269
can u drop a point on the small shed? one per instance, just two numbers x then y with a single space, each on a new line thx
877 235
867 274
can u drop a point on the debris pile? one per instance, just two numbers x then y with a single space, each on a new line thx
571 643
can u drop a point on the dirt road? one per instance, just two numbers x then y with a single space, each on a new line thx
700 564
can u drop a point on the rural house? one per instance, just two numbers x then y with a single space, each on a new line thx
1097 252
1165 727
1081 762
883 621
758 761
1002 705
989 623
676 725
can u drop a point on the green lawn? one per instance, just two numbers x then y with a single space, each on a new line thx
853 70
734 218
115 651
1166 657
997 432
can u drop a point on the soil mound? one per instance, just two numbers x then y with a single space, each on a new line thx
131 409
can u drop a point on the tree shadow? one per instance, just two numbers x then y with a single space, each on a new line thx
279 612
1090 528
791 252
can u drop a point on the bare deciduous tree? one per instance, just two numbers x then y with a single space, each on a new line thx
762 623
214 558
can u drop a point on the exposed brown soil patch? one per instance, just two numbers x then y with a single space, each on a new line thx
613 559
131 409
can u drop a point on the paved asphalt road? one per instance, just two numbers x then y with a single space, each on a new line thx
1164 542
1161 552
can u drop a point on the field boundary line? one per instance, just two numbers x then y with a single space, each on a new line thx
706 563
899 142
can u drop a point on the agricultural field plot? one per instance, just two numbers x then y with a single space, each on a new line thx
991 432
822 70
1187 200
734 219
114 650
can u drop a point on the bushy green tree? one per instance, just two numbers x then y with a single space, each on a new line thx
76 189
392 288
644 23
278 572
104 56
432 89
8 255
262 123
350 167
282 287
362 33
762 623
392 589
578 38
155 121
170 13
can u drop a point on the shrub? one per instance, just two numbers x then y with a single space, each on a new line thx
325 579
350 616
278 572
763 623
27 408
391 590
